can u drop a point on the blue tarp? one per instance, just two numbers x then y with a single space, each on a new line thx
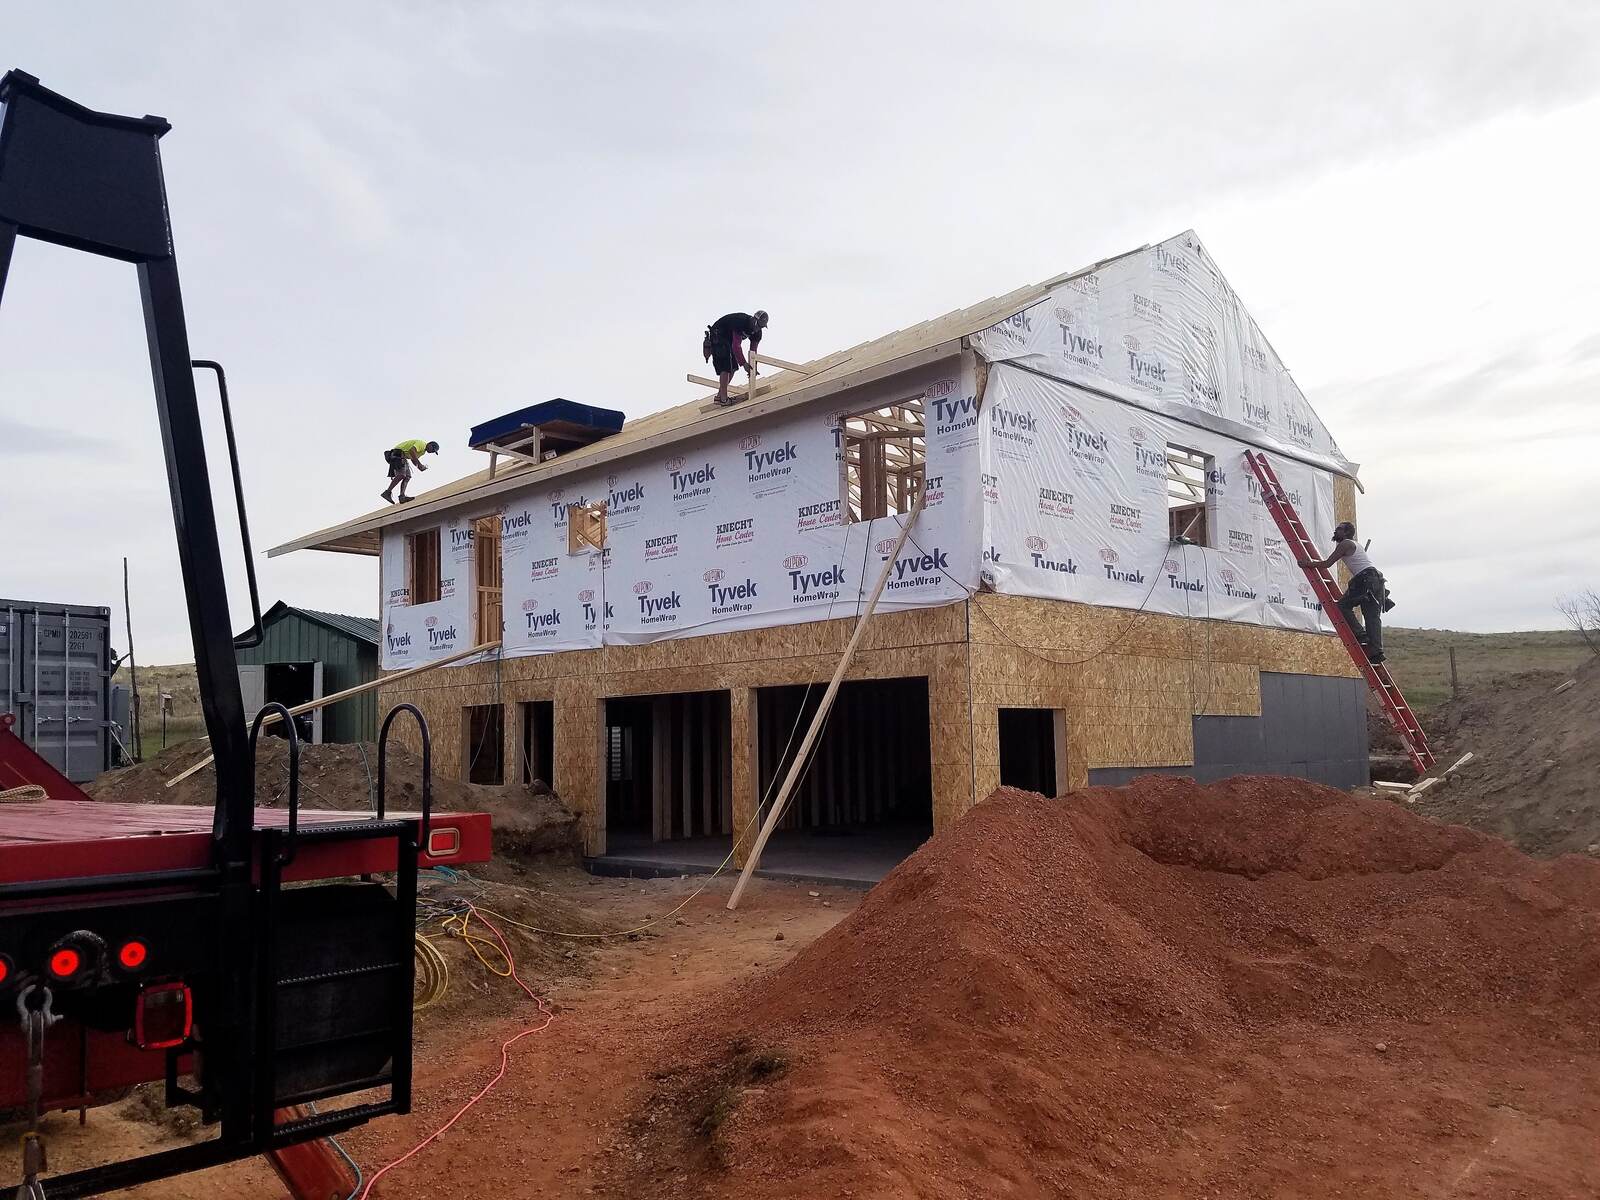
602 421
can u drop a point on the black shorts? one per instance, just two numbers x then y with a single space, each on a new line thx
399 468
722 359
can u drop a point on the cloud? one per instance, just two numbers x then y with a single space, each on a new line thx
19 437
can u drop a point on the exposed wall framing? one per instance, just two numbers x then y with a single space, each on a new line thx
883 459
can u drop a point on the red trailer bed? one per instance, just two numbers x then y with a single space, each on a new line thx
73 839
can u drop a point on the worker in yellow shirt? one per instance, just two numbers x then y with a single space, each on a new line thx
400 460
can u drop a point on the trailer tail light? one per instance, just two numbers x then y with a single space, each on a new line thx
5 969
132 954
65 962
164 1016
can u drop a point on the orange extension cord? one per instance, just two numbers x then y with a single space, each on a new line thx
505 1048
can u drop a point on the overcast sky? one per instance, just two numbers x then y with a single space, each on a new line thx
395 220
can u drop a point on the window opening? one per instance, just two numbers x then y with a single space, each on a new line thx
883 460
424 556
1188 475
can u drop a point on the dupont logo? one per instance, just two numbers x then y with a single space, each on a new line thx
715 575
795 561
586 596
674 464
529 605
1037 551
1034 542
431 622
1063 314
750 443
1137 433
1072 413
1108 558
1227 575
1171 566
643 586
885 547
1107 554
944 387
1129 342
555 496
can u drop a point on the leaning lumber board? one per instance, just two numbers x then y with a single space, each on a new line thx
798 764
324 701
1460 762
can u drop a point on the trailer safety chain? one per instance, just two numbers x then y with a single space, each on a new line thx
36 1018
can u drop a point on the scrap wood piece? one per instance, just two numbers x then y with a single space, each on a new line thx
1460 762
1397 787
1564 687
1421 787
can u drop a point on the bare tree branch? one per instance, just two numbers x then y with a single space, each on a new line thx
1582 612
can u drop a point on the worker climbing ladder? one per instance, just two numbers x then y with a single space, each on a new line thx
1376 674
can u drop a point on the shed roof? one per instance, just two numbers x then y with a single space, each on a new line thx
880 358
362 629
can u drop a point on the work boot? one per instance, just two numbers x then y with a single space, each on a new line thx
387 497
1375 657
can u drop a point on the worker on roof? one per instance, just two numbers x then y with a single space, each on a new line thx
1368 589
724 347
400 460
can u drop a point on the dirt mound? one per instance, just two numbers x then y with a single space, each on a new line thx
1259 988
1535 774
527 820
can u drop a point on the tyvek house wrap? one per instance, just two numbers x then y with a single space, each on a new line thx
1162 329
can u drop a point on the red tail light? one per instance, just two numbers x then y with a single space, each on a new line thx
164 1016
65 962
133 954
5 969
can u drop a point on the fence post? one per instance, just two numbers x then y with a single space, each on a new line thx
1455 685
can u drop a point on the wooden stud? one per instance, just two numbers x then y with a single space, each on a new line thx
725 742
660 812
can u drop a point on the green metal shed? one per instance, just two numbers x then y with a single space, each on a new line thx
305 654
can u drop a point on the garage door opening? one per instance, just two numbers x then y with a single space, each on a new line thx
865 800
668 773
1031 749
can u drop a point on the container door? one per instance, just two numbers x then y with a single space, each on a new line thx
316 694
253 683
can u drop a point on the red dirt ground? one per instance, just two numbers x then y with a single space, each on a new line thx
1259 989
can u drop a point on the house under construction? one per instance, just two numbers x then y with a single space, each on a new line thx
1093 588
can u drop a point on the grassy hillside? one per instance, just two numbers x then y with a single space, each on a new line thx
183 717
1419 659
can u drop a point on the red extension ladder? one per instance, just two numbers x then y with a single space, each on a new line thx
1377 675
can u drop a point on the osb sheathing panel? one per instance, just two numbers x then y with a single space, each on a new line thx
928 642
1344 499
1130 683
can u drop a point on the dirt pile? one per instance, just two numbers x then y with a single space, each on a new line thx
527 820
1535 774
1259 988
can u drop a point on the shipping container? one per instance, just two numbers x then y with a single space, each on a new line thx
56 663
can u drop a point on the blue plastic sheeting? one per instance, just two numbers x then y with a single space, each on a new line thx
602 420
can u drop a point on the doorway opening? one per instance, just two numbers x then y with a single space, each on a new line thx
538 742
1029 742
668 770
483 732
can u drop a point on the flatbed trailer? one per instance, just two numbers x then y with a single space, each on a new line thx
257 961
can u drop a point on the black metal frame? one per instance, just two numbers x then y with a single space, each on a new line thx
93 181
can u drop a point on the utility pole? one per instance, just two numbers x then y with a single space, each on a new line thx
133 669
